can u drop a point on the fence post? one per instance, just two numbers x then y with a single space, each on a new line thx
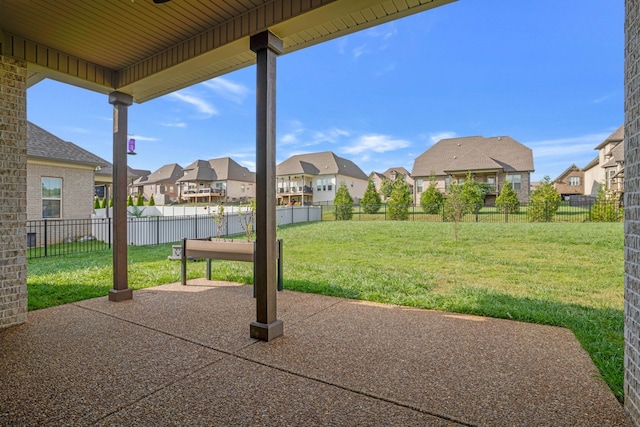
477 210
157 230
195 221
45 237
506 214
443 214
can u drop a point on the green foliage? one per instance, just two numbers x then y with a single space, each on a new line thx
343 203
507 201
111 202
130 200
544 202
96 203
371 200
455 206
400 200
151 201
386 187
247 220
103 203
473 193
606 208
218 216
431 199
139 201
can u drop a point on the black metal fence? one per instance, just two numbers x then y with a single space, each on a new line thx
530 212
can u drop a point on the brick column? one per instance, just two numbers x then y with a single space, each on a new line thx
632 211
13 191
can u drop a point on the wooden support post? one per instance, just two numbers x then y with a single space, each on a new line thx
121 103
267 327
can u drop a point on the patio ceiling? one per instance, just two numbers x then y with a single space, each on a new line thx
147 50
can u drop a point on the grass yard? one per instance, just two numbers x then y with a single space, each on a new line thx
563 274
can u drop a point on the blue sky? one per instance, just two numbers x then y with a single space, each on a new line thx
548 73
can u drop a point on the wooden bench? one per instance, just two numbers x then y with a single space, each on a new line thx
228 251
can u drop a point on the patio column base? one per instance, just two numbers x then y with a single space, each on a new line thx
117 295
267 332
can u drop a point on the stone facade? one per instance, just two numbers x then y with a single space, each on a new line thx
13 191
632 211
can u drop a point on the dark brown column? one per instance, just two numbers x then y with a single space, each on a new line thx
121 103
267 327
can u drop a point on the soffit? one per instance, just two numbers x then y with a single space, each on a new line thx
147 50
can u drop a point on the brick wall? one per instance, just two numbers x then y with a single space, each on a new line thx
77 189
13 197
632 211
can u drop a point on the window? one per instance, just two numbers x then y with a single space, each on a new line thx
319 185
242 188
573 181
447 182
515 181
419 183
51 197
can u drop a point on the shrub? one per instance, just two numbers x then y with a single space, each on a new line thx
507 201
343 203
544 202
96 203
130 200
431 199
399 200
386 187
151 201
371 200
139 201
606 207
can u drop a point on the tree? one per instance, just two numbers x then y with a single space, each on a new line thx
96 203
606 207
544 202
473 193
399 200
431 199
343 203
386 187
371 200
455 206
151 201
507 201
139 200
130 200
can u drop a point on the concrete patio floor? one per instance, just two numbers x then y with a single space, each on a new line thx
179 355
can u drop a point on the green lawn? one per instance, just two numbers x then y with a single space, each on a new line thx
564 274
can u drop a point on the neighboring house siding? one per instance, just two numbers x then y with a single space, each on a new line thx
236 193
77 189
593 179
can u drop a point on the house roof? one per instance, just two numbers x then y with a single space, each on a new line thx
474 153
398 169
167 173
324 163
616 136
592 163
567 171
45 145
222 169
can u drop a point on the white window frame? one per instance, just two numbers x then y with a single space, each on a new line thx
50 197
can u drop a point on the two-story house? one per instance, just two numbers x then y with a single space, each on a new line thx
608 167
314 179
570 182
161 184
391 174
496 161
217 180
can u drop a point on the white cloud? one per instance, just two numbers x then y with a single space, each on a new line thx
249 165
567 146
289 138
227 89
174 125
331 135
435 137
377 144
143 138
199 103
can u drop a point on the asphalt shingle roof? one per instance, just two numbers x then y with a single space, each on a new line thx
474 153
324 163
222 169
45 145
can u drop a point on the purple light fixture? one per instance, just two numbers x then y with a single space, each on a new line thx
132 147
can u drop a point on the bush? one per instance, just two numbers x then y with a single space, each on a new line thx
151 201
96 203
386 187
606 207
507 201
431 199
343 203
130 200
139 201
371 200
400 200
544 202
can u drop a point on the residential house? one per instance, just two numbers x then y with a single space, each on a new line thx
161 184
217 180
495 161
60 177
570 182
391 174
314 179
608 167
104 180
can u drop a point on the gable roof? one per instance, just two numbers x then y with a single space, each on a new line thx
592 163
324 163
474 153
222 169
398 169
167 173
45 145
567 171
616 136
